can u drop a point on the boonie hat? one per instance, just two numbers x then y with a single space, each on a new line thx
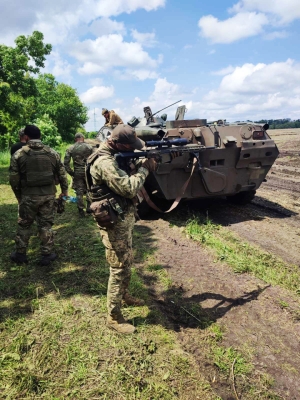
79 135
104 110
124 134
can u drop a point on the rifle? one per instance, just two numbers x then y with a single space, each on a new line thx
162 147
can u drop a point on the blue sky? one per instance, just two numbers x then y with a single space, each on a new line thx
224 59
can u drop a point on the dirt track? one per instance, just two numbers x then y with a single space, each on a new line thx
247 307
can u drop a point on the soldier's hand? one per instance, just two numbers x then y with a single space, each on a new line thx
150 164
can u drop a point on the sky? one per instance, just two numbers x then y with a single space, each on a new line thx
224 59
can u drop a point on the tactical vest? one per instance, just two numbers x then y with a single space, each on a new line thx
39 168
102 192
79 154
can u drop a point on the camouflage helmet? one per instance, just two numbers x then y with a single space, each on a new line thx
104 111
79 135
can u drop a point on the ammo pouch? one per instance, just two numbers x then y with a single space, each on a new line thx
106 210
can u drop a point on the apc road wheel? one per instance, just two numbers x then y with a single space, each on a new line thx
242 198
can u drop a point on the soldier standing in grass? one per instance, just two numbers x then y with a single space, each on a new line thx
111 118
33 172
113 191
79 152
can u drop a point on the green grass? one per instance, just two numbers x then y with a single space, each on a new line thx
243 257
54 343
4 158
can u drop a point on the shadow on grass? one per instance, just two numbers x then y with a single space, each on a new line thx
82 269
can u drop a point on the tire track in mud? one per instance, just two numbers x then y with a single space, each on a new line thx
247 308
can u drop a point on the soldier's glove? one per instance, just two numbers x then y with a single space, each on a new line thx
175 154
150 164
60 205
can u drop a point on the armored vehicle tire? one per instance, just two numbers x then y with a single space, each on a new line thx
242 198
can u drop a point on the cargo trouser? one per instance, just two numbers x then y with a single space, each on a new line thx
118 250
79 185
40 209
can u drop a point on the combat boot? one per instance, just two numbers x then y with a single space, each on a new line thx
19 258
47 259
81 212
118 323
132 301
88 208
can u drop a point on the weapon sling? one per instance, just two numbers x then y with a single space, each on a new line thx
143 193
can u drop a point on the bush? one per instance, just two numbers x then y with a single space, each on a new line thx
50 135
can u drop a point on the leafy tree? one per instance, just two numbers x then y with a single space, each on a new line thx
49 131
16 82
62 104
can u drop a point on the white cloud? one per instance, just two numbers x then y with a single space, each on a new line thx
252 17
64 19
110 51
285 10
276 35
224 71
164 94
238 27
58 67
254 92
139 74
105 26
145 39
96 94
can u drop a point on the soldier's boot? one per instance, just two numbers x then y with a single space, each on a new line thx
132 301
47 259
88 207
119 324
81 212
19 258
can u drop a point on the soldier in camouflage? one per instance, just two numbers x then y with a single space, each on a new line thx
33 172
117 239
111 118
78 152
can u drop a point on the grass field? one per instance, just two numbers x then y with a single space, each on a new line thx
54 342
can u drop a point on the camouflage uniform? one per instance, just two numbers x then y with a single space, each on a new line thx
79 152
118 239
113 119
36 203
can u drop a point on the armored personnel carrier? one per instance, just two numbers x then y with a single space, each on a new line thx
232 159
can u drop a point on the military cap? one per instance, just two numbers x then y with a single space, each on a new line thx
124 134
79 135
104 110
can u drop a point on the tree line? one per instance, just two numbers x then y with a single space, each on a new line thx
28 96
283 123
